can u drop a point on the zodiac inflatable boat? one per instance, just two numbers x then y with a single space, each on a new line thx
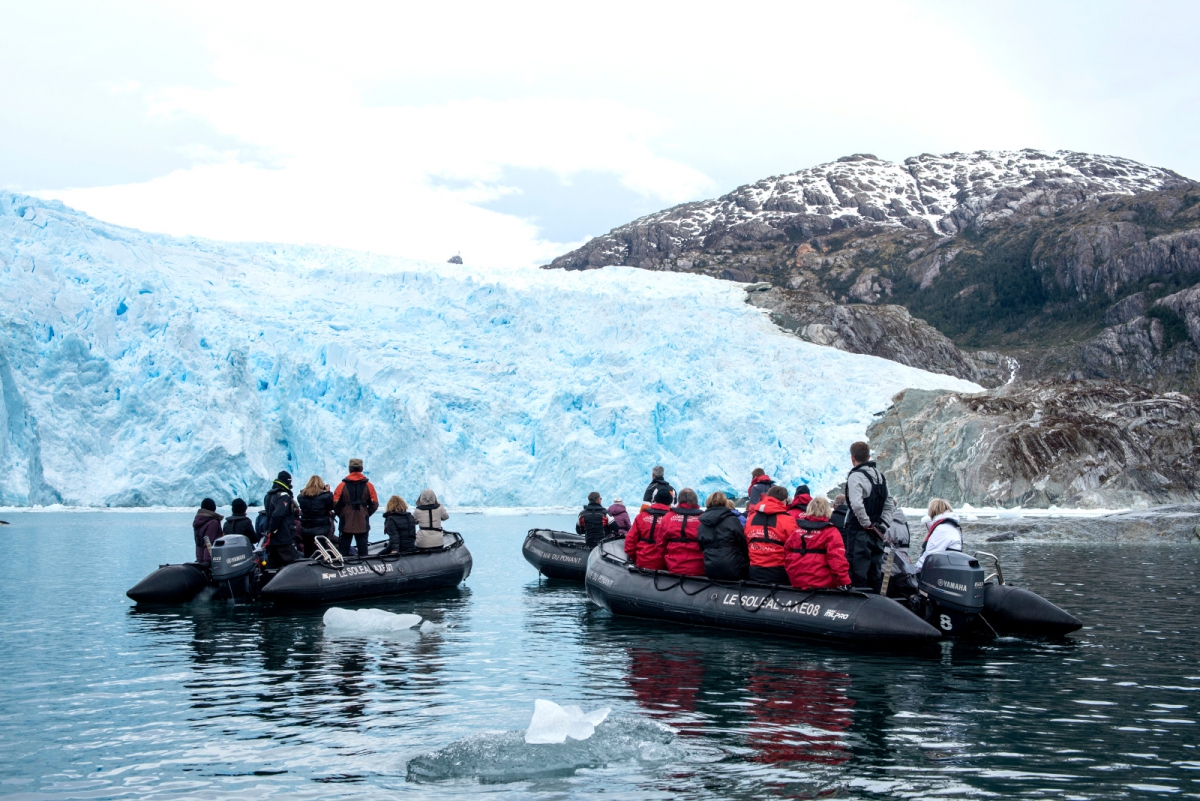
556 554
235 573
952 598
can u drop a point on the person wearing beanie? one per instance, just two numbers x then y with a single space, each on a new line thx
800 501
354 501
620 516
206 529
282 513
239 523
644 543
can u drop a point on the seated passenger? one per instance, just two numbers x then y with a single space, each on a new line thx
644 542
620 516
816 556
680 528
768 526
800 501
723 540
430 515
206 529
730 503
593 523
400 527
759 483
239 523
944 532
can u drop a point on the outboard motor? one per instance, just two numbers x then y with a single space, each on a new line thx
234 568
951 584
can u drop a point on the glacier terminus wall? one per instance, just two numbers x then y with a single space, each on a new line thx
140 369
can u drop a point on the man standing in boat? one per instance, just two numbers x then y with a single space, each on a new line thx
871 512
657 482
354 501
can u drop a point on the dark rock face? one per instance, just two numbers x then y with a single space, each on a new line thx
1086 443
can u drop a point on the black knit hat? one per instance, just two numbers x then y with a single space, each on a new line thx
239 506
803 490
209 504
284 478
663 496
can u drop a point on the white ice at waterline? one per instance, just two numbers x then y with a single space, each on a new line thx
552 723
364 622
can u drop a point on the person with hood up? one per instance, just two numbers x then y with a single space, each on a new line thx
800 501
593 523
760 482
838 518
722 540
316 513
680 528
239 523
945 534
281 511
430 515
206 529
871 512
815 556
354 501
644 543
620 516
657 482
400 526
768 526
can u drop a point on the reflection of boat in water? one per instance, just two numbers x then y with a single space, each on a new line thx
235 573
616 585
556 554
953 598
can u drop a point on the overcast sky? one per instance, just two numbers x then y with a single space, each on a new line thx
513 131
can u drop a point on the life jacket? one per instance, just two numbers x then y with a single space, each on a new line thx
764 523
353 494
594 522
873 503
810 525
429 508
657 514
688 513
952 522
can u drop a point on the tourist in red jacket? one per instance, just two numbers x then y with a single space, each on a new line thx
815 555
800 502
680 529
644 543
768 526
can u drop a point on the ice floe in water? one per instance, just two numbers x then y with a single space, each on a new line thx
507 757
552 723
364 622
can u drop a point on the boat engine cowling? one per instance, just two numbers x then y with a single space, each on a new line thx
952 583
232 557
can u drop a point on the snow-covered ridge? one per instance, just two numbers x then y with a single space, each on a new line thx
140 369
942 193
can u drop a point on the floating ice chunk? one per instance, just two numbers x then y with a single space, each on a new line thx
552 723
360 622
429 627
1005 514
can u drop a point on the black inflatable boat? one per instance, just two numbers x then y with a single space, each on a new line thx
831 615
556 554
235 573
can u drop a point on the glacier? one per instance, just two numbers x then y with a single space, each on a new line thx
140 369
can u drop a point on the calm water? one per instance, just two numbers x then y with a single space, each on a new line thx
99 700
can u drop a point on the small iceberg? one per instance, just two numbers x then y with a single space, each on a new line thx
366 622
552 723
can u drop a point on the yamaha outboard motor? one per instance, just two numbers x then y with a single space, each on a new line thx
234 568
951 584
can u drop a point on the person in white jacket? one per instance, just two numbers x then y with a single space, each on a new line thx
944 531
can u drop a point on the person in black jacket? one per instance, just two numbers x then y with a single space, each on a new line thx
723 541
239 523
593 523
657 482
316 513
400 526
281 522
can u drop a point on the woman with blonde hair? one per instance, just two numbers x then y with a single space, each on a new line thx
945 534
814 555
316 513
400 526
723 540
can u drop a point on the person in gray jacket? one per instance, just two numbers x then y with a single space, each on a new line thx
871 511
430 514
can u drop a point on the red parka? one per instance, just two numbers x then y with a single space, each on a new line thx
768 526
644 543
799 504
816 555
680 527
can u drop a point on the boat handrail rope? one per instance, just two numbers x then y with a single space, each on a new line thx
328 552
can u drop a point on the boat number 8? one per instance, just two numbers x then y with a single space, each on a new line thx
945 623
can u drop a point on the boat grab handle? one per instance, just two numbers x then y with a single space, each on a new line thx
328 552
999 574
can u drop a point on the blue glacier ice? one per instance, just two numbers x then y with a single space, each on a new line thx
141 369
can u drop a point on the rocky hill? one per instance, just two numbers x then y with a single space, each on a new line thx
985 265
